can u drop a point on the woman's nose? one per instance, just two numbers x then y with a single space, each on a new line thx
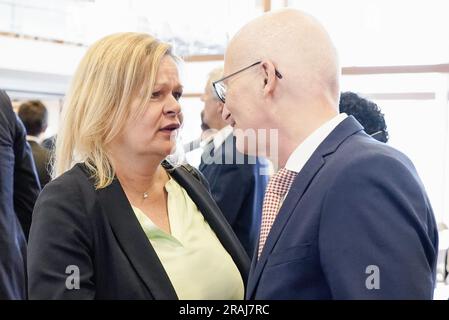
173 108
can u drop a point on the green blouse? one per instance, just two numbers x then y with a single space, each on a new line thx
197 264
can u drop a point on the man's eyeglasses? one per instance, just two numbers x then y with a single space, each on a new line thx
220 87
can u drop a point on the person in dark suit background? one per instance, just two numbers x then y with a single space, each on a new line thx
203 139
19 188
118 221
237 187
367 113
34 116
345 217
49 143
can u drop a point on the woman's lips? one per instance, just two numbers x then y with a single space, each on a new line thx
170 129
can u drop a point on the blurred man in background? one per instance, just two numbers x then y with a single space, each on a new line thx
34 116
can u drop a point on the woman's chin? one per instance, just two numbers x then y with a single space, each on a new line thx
159 148
160 153
168 150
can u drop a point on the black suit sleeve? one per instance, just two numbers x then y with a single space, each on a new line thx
6 168
60 245
26 183
376 239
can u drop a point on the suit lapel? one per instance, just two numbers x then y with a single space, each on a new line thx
134 242
346 128
212 214
208 155
295 194
224 154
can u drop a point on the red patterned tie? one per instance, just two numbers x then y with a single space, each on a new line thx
276 189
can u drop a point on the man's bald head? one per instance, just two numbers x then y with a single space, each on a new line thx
294 89
299 47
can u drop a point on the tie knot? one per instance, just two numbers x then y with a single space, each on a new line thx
281 182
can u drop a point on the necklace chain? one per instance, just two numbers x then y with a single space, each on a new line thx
146 194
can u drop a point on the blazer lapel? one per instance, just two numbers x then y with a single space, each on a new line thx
346 128
134 242
211 212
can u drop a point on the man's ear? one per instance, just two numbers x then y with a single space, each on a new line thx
270 79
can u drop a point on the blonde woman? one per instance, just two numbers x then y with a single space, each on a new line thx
118 222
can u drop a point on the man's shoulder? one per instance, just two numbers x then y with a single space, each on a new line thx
5 106
360 150
7 117
360 160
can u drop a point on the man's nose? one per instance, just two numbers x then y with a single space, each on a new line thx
226 114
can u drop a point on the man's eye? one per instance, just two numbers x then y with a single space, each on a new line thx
177 95
156 94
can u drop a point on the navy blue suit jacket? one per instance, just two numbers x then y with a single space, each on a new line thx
356 215
19 188
237 188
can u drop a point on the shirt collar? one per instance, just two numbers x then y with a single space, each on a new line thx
33 138
304 151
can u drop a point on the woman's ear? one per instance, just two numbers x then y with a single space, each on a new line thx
270 79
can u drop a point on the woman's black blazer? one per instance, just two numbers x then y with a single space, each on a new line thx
94 234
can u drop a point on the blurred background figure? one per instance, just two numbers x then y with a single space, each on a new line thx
237 188
34 116
203 139
367 113
19 189
49 143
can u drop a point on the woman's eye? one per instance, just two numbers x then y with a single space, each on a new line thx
156 94
177 95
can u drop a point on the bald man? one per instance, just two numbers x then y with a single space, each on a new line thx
238 187
345 217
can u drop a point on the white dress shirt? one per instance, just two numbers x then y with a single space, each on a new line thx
299 157
33 138
304 151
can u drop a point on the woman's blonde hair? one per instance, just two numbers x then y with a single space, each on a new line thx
114 71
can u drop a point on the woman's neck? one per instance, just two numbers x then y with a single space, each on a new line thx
138 174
